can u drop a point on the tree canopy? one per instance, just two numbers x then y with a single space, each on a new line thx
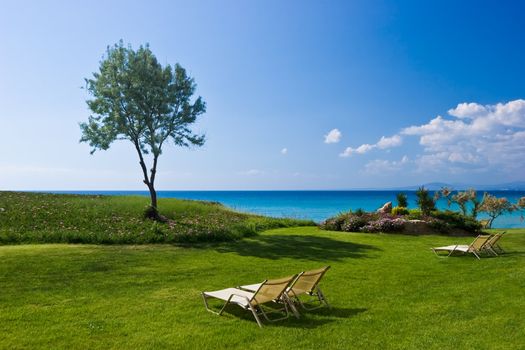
135 98
495 207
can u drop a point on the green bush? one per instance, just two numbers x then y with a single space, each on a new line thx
424 201
399 211
402 200
457 220
415 214
335 223
359 212
439 225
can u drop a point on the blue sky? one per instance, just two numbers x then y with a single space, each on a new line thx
417 92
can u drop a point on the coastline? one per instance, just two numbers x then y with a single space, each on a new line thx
315 205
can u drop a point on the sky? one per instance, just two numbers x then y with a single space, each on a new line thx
300 94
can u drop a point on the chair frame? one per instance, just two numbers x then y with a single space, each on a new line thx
471 248
315 292
257 309
492 244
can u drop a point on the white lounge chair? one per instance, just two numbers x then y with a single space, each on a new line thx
268 291
476 247
306 283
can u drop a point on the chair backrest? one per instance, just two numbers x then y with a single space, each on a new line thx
308 280
271 290
494 239
479 242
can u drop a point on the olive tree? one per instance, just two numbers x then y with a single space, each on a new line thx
495 207
463 198
135 98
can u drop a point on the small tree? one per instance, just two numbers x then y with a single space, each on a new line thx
476 203
402 200
424 201
462 199
520 205
136 99
444 193
495 207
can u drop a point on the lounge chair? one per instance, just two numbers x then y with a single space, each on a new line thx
305 283
267 292
492 244
476 247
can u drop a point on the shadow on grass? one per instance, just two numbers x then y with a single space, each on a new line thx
339 312
308 319
297 247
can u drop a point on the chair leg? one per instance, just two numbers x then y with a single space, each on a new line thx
500 250
254 312
290 303
205 298
265 314
318 295
492 251
452 251
323 298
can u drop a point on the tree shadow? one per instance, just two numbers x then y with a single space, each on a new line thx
297 247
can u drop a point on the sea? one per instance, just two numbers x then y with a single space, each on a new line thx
313 205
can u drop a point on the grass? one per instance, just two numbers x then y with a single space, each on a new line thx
58 218
387 292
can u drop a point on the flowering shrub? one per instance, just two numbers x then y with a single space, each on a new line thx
385 224
354 223
335 223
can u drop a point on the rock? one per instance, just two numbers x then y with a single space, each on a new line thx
417 227
386 208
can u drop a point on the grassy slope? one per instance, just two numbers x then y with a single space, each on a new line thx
387 292
40 217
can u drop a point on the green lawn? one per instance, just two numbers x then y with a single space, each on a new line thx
27 217
387 292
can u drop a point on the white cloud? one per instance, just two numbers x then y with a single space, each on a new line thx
347 152
383 143
334 136
467 110
382 166
389 142
252 172
473 138
284 151
488 137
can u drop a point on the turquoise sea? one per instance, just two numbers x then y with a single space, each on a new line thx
315 205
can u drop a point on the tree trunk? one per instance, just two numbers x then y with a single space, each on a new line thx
152 212
491 220
153 196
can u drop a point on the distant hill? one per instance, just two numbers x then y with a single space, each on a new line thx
434 186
